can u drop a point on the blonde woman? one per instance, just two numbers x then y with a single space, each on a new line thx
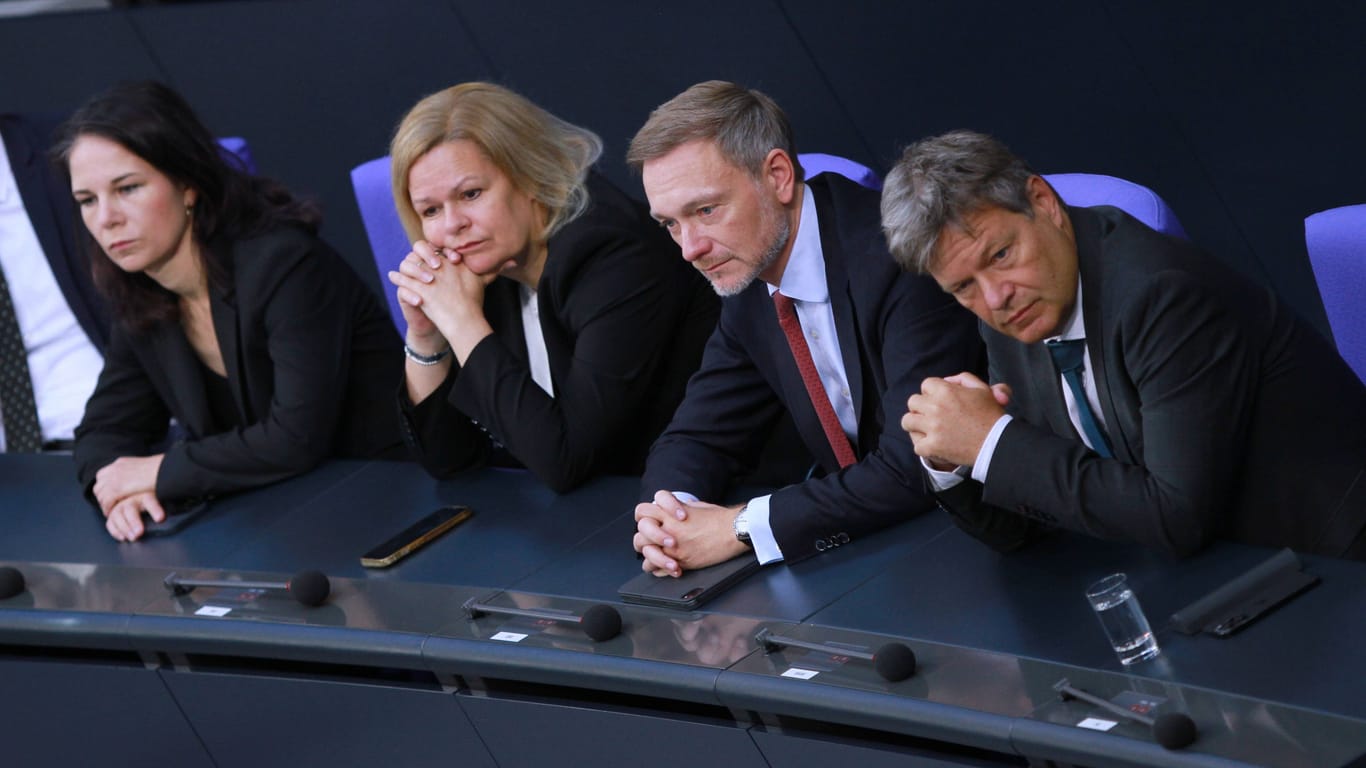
551 322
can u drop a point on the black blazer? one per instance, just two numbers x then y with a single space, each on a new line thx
624 320
895 329
1228 415
311 357
48 203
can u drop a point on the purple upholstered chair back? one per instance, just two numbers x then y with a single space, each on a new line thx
1336 239
388 242
1087 189
237 146
819 162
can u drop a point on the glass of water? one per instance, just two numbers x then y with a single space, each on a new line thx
1122 618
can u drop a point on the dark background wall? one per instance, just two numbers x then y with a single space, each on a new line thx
1246 121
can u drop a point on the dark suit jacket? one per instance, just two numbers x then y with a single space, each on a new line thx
895 329
624 320
48 203
1228 415
312 360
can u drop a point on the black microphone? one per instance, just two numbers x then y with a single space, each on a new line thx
310 588
11 582
893 662
1173 730
600 622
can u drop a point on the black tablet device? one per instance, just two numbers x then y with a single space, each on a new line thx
690 590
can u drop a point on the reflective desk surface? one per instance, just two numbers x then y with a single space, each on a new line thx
993 633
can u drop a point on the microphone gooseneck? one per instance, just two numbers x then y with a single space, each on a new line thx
1173 730
309 588
600 622
893 661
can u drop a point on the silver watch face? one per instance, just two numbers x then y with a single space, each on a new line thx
741 526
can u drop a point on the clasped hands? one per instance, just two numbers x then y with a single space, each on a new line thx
125 488
441 297
951 417
674 536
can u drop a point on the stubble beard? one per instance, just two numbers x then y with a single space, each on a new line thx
782 231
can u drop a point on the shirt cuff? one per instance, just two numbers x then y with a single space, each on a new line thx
942 480
988 449
761 531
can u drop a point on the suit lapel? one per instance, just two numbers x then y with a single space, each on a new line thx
184 390
759 313
1090 235
223 310
503 308
36 187
1048 384
841 300
26 165
50 212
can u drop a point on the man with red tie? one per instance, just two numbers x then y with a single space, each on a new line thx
830 332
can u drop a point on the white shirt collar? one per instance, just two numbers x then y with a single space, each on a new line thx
804 277
1075 327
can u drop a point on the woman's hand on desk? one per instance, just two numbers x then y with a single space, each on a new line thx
124 520
124 477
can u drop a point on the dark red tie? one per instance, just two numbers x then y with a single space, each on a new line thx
792 328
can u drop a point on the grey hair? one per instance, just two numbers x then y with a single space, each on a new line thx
745 125
544 156
941 181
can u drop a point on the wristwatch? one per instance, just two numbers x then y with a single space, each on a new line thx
741 526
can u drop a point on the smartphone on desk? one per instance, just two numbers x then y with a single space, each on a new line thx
415 536
690 590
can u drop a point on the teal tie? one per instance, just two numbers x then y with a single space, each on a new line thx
1069 356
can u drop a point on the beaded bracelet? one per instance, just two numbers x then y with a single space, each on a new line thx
421 359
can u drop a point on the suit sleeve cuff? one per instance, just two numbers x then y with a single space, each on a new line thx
172 478
988 449
761 531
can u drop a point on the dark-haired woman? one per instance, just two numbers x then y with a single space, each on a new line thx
231 316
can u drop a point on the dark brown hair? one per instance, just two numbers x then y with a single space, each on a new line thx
156 124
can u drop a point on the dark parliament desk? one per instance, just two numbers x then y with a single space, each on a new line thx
101 665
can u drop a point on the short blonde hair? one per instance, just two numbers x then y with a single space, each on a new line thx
543 156
744 123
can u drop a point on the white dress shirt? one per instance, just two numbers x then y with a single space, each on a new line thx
537 357
62 361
